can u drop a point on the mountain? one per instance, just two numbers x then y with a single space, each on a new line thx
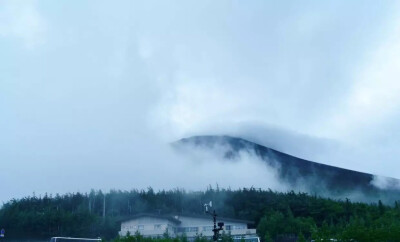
304 175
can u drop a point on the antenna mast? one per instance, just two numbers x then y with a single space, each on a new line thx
220 224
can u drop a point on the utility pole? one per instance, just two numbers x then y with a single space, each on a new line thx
104 208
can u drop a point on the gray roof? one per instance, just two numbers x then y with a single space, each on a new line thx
207 216
140 215
177 221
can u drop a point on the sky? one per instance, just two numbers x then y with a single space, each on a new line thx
93 92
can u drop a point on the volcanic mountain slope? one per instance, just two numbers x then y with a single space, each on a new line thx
311 176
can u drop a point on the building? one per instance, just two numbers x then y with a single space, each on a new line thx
152 225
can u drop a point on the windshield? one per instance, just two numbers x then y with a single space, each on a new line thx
199 120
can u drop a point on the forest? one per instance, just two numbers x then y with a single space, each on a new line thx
276 215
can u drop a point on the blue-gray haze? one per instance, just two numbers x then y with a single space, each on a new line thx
92 92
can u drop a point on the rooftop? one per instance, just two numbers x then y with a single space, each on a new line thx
175 218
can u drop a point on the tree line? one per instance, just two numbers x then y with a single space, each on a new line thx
276 215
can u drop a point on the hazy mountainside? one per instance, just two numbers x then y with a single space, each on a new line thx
276 215
302 174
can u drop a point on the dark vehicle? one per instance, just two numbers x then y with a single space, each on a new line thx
69 239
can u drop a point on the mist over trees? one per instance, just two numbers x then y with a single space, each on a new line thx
275 214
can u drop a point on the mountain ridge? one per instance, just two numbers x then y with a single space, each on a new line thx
319 178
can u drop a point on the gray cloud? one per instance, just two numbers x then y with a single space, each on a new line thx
103 88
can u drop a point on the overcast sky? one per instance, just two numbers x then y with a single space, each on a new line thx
91 92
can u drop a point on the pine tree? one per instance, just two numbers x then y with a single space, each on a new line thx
301 238
267 238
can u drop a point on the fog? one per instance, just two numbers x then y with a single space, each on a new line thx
92 94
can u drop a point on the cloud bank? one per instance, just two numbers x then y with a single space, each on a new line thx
91 94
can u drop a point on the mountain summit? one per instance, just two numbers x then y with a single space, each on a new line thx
300 174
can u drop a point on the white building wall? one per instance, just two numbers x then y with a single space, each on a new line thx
205 226
190 226
147 226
